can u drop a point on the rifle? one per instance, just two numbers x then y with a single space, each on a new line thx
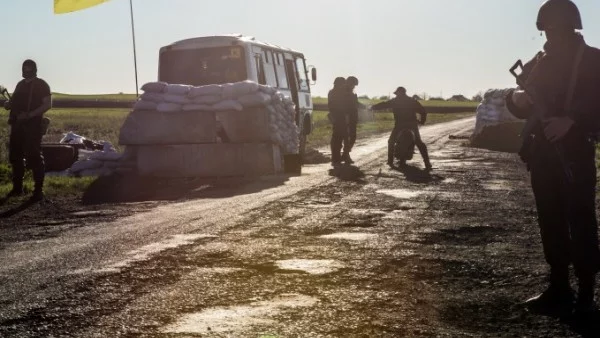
540 112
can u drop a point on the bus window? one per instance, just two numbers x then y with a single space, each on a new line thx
260 70
269 70
280 69
301 74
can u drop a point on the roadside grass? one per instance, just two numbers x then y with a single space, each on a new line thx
98 97
425 103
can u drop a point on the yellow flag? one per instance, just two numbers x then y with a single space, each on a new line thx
67 6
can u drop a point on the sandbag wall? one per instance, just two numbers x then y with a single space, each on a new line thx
216 130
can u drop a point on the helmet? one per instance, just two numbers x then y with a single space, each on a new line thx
352 81
400 91
562 13
339 81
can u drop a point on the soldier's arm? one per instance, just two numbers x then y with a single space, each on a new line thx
421 111
522 111
382 105
44 92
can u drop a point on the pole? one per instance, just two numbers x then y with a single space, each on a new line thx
134 51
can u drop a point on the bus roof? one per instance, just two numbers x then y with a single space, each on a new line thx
229 40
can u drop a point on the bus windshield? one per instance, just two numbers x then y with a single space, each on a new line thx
204 66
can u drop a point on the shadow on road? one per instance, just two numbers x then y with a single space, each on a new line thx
348 173
418 175
16 210
121 189
587 327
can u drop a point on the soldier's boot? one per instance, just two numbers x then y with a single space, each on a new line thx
346 158
17 183
336 159
38 192
558 297
585 304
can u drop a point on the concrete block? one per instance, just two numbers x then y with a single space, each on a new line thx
247 126
156 128
209 160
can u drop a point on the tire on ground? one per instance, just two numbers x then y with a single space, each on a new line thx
58 157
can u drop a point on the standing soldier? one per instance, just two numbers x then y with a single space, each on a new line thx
566 79
30 100
351 83
338 103
405 111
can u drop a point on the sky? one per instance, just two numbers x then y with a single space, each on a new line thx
438 47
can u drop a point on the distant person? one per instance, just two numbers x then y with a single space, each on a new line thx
350 140
30 100
566 78
339 103
405 110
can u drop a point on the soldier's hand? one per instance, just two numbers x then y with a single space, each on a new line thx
521 99
556 128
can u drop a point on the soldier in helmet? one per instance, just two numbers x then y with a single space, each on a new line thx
566 76
351 83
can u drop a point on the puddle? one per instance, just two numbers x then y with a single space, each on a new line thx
92 213
145 252
351 236
400 193
311 266
449 181
496 185
237 318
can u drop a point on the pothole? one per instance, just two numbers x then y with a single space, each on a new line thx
311 266
351 236
400 193
496 185
145 252
235 319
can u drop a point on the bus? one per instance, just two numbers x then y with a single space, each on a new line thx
232 58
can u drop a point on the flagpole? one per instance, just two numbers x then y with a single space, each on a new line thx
134 51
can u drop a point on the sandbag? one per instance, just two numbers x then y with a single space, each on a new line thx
209 99
179 99
210 90
84 165
177 89
257 99
238 89
166 107
196 107
154 87
153 97
227 105
105 156
144 105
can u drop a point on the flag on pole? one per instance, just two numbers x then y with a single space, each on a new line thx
67 6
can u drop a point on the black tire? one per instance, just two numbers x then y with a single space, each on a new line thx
292 164
58 157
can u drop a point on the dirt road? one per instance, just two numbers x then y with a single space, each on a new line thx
364 251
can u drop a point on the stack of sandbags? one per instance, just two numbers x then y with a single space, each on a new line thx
495 127
241 97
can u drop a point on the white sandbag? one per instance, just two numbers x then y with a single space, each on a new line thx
267 89
153 97
208 99
257 99
105 156
84 165
210 90
179 99
167 107
227 105
196 107
144 105
177 89
492 111
154 87
72 138
238 89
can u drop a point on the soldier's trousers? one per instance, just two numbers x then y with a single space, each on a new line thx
339 134
351 136
25 147
567 213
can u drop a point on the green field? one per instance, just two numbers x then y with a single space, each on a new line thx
425 103
99 97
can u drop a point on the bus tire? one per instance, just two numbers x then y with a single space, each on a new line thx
292 164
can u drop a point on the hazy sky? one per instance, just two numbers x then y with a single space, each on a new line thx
434 46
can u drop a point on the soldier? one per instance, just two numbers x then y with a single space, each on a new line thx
566 77
30 100
405 111
351 83
338 102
